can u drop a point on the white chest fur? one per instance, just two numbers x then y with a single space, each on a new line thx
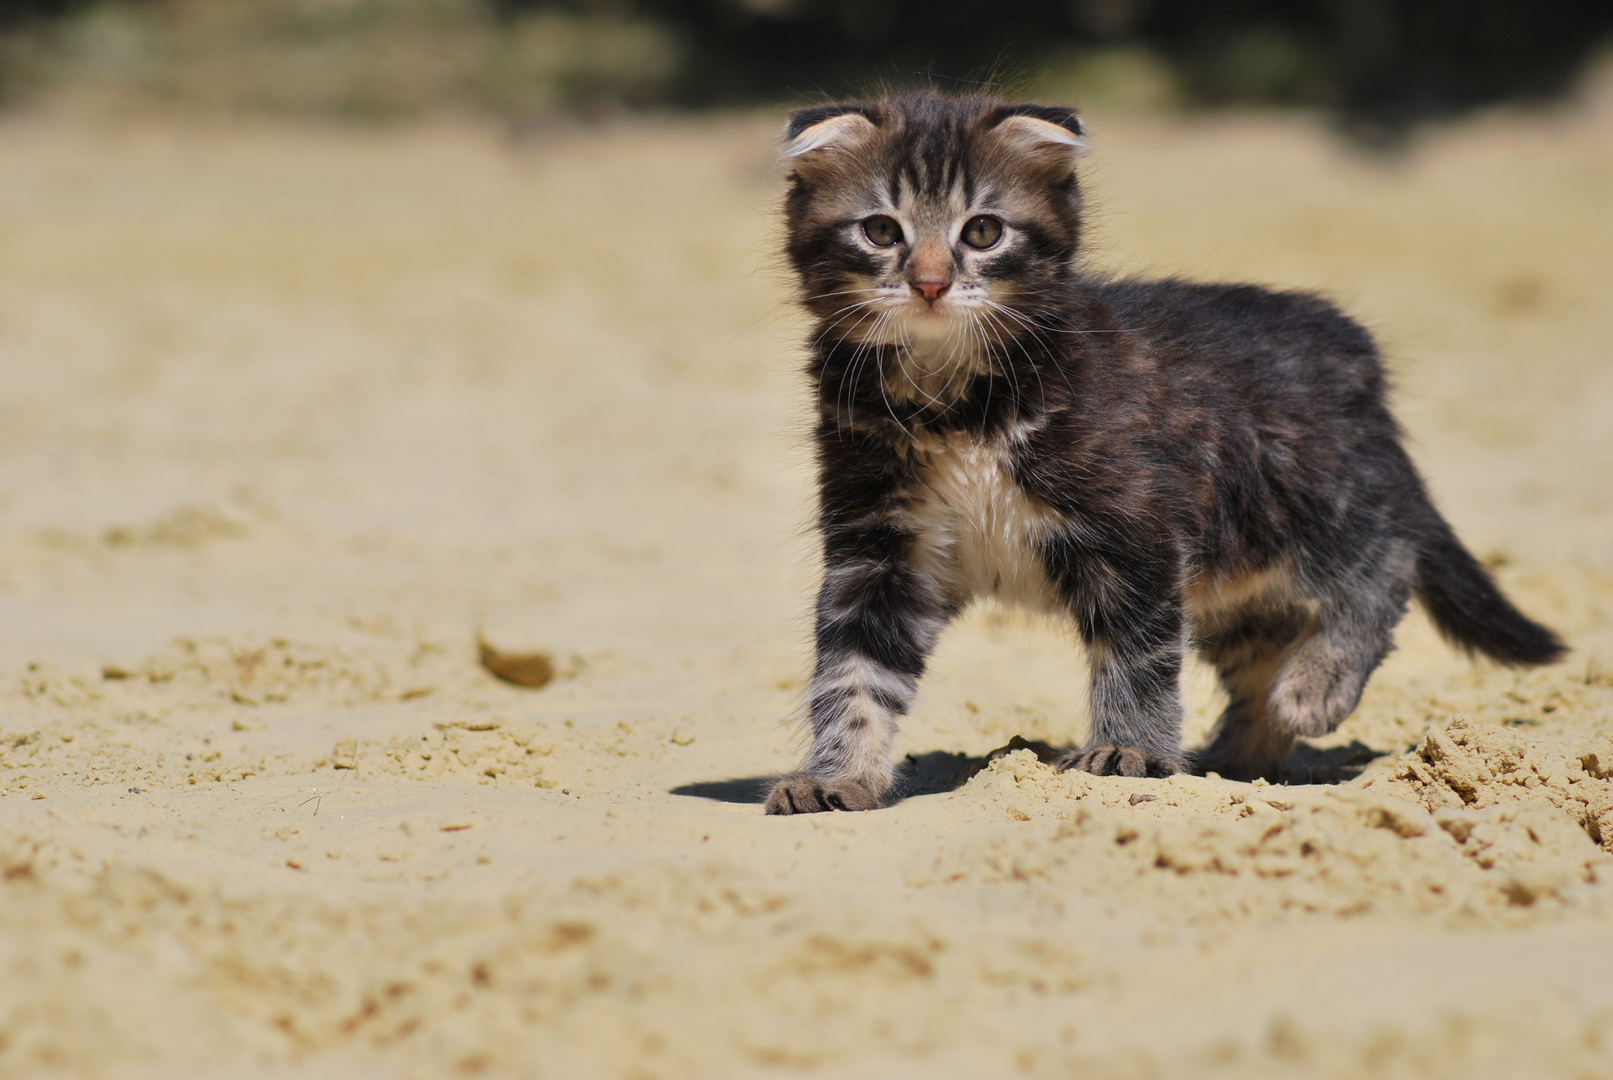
976 529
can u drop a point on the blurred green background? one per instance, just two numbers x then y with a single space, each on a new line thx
1377 65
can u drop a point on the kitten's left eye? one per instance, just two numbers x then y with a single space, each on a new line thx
982 232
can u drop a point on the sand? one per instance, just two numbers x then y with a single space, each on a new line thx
291 416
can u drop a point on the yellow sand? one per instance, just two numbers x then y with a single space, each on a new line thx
289 416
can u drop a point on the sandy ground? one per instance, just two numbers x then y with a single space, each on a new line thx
290 416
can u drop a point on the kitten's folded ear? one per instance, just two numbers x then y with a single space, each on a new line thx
816 135
1049 133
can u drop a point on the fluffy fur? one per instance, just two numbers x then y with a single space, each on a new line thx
1165 465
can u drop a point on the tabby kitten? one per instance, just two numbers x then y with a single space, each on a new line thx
1166 465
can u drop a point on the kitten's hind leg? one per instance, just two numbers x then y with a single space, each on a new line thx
1293 674
1250 739
878 620
1322 678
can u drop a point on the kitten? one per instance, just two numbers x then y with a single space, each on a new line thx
1165 465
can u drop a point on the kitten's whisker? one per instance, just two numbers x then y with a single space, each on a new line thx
889 408
880 371
836 292
838 319
862 317
848 380
1034 331
1013 375
849 374
872 349
1060 330
975 330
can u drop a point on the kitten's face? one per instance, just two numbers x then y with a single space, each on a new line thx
932 221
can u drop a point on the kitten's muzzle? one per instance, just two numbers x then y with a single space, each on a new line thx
930 290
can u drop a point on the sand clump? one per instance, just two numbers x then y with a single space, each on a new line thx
479 750
241 691
1211 851
294 416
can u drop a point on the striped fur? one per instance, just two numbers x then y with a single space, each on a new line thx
1164 465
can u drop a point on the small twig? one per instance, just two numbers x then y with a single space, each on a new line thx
317 800
352 766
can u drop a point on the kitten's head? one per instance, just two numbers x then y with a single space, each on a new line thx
929 218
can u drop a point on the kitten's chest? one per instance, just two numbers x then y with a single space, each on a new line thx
975 528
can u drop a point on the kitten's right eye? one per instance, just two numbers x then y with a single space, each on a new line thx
882 231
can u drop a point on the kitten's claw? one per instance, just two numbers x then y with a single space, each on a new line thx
803 793
1111 760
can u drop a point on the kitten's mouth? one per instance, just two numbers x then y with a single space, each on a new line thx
927 328
932 313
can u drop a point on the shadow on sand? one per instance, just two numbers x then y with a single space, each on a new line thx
1307 764
937 771
932 773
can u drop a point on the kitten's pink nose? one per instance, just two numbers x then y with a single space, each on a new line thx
931 271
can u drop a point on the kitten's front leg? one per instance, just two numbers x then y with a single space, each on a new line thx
878 619
1128 609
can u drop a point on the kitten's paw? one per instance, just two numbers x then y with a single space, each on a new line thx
1320 687
803 793
1119 761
